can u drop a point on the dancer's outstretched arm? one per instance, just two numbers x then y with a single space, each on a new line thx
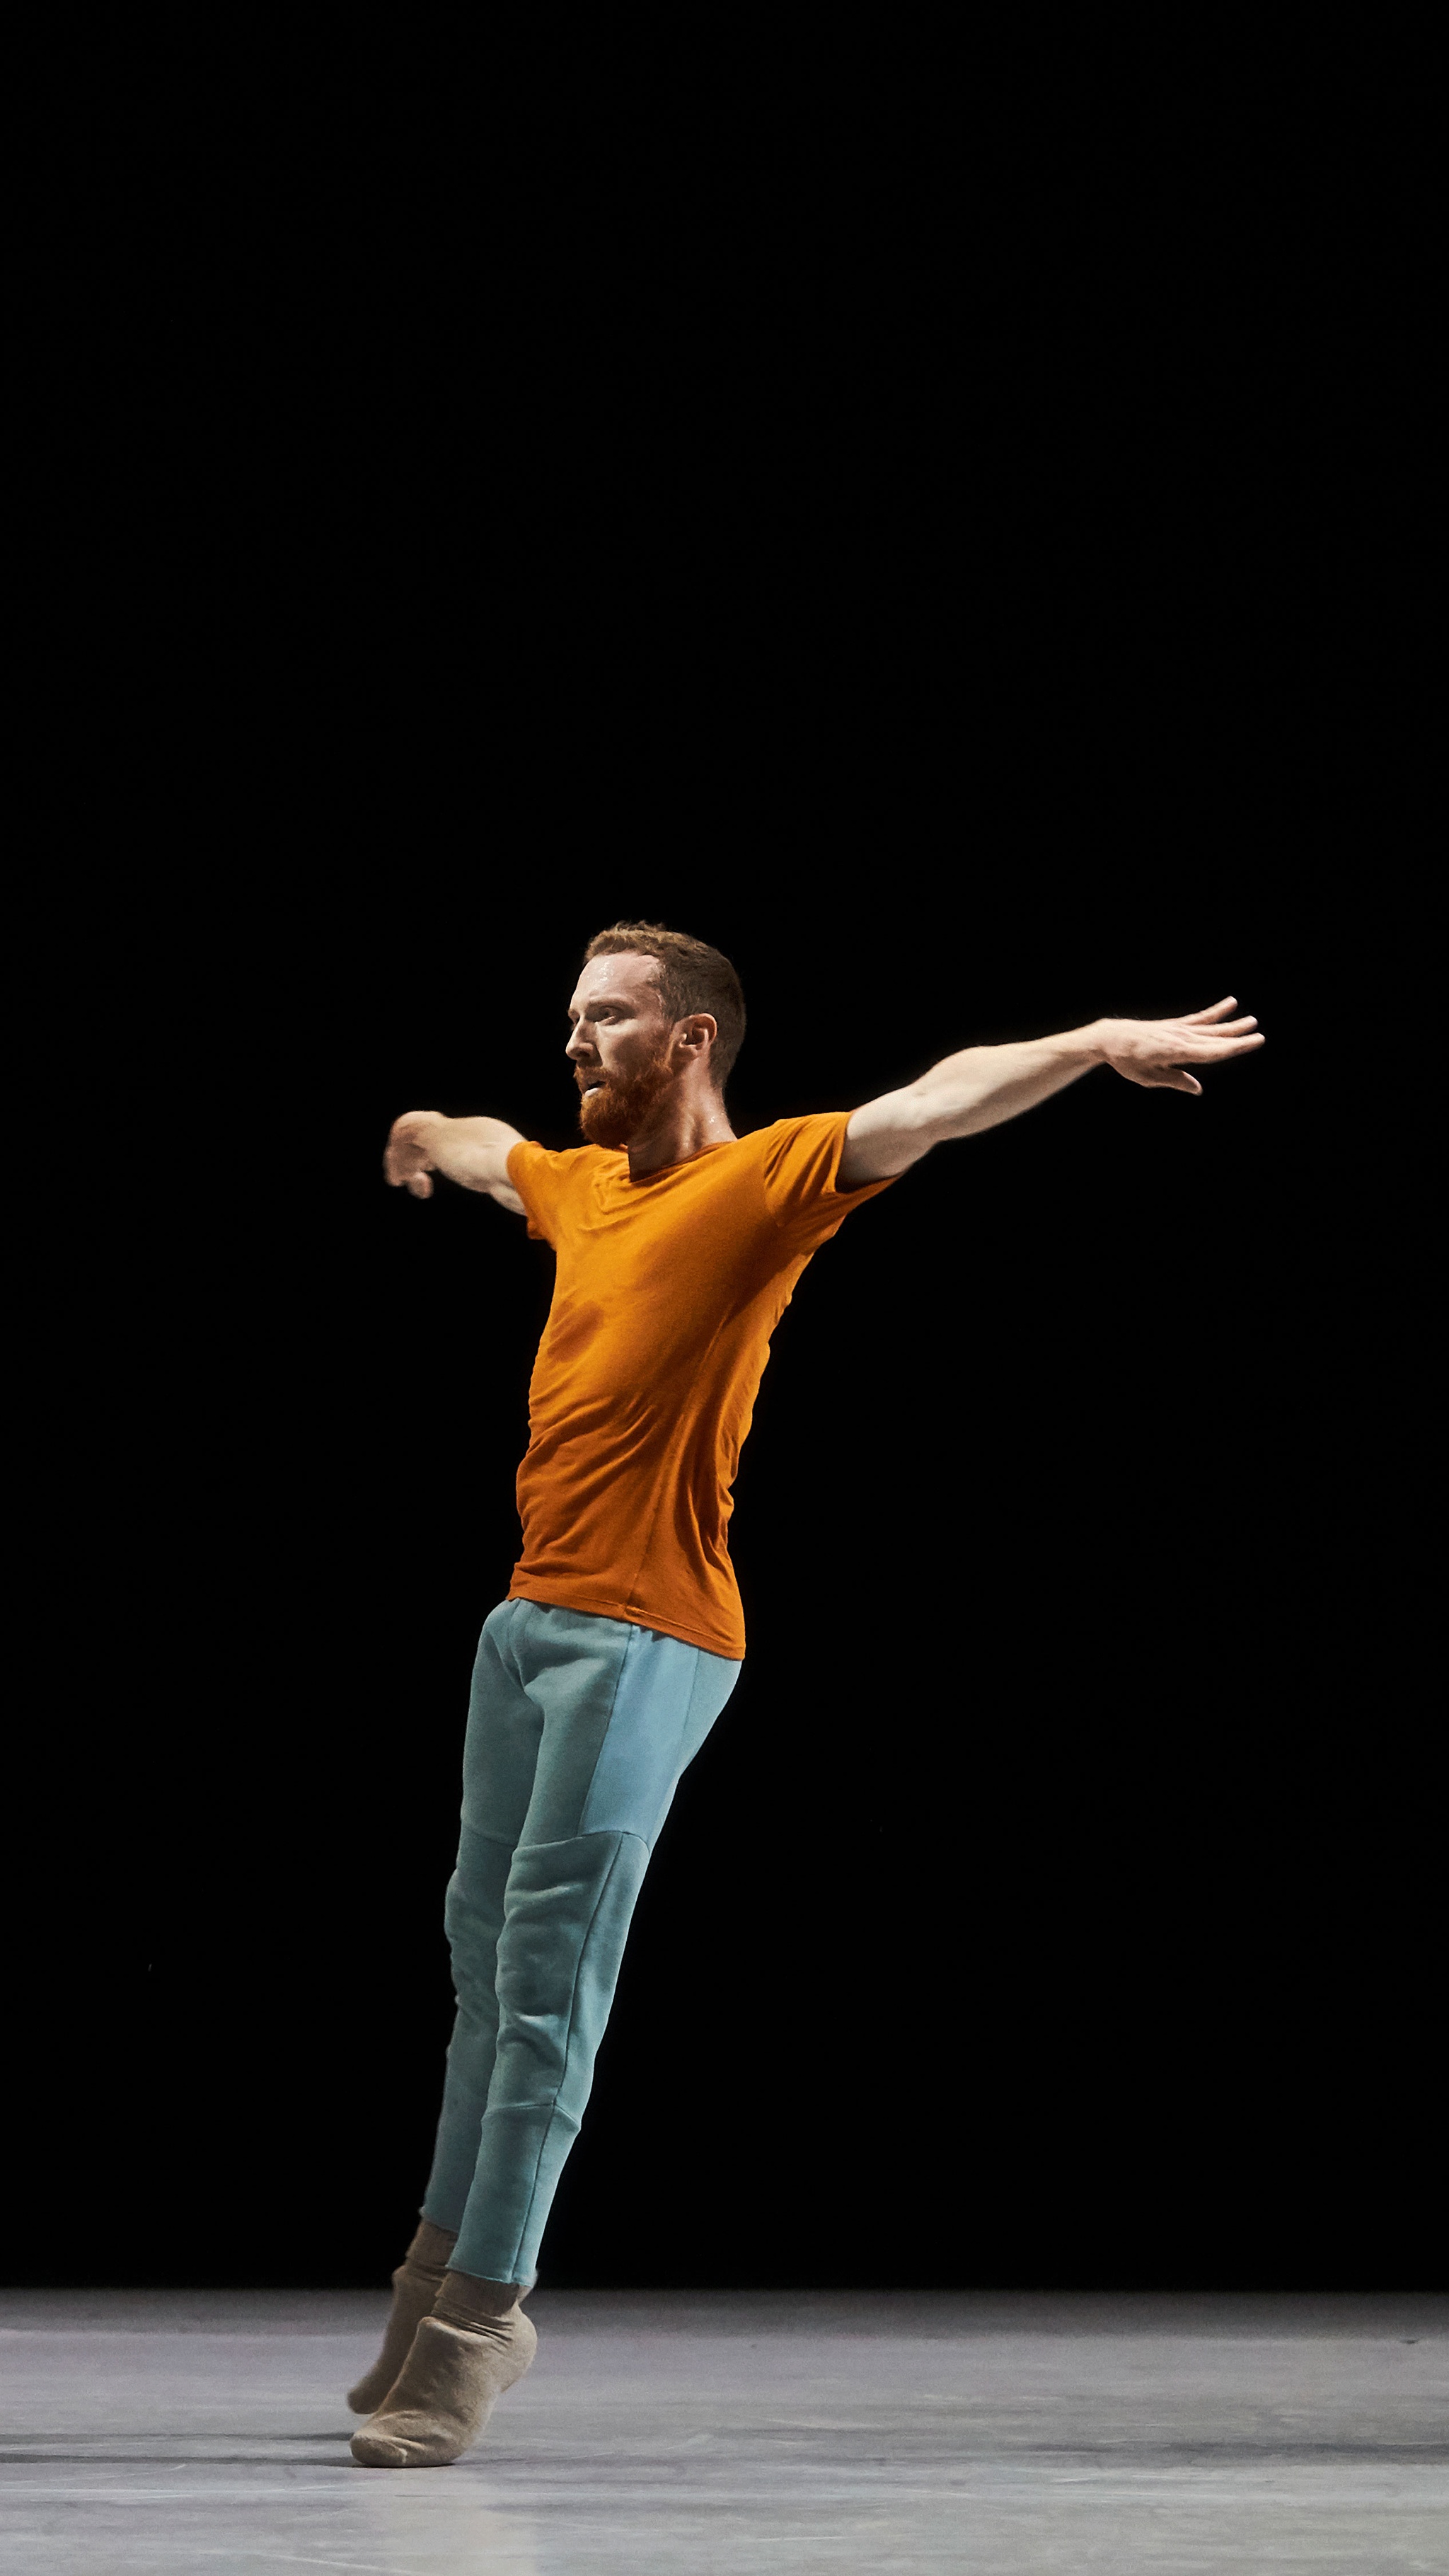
983 1085
471 1151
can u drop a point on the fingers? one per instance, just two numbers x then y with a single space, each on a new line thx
1208 1045
403 1171
1214 1022
1203 1053
1203 1030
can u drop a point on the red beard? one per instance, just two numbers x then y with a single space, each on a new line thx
618 1111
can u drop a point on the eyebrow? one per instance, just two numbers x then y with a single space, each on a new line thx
604 1002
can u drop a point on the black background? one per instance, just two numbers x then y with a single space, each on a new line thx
930 525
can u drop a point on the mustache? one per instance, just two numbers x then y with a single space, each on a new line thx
643 1077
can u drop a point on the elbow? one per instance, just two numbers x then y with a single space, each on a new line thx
932 1113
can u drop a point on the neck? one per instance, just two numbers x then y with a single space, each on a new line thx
682 1126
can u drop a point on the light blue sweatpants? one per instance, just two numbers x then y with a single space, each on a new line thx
578 1732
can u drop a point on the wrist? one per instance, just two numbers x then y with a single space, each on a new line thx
1088 1046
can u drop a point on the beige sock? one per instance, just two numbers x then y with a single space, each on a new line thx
464 2300
415 2284
474 2345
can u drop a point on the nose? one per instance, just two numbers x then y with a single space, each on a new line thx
579 1047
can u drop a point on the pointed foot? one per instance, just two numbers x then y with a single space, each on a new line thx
445 2393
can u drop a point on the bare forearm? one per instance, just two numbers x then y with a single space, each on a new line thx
959 1097
984 1085
471 1151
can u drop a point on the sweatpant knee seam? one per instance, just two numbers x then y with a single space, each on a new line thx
569 2039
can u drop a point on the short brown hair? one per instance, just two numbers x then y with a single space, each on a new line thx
692 977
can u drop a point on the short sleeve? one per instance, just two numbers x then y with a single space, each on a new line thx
801 1159
543 1182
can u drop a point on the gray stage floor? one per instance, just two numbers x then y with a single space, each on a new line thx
707 2434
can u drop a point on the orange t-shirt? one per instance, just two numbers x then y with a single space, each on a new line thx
667 1292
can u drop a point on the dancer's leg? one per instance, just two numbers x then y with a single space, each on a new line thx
505 1726
624 1712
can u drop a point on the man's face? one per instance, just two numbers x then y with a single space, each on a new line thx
619 1047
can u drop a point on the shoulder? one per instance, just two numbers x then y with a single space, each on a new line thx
785 1135
556 1187
792 1139
575 1162
800 1167
798 1156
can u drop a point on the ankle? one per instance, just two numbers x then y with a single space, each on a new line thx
431 2247
475 2305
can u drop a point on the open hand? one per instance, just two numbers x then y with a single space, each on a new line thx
1159 1053
407 1162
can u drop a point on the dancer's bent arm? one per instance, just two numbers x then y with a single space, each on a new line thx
471 1151
983 1085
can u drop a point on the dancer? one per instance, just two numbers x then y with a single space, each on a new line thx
678 1246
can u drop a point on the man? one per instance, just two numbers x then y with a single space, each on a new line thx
597 1680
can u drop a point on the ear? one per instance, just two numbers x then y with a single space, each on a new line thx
698 1032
